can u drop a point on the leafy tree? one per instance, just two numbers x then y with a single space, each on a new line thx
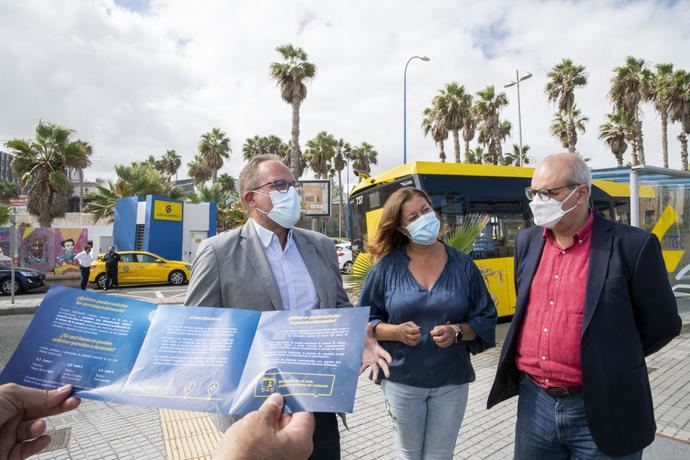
214 148
616 132
8 190
492 131
513 158
42 167
198 171
565 127
261 145
226 183
469 125
451 107
170 163
680 112
291 76
432 124
564 78
476 155
343 150
320 153
363 156
133 180
630 86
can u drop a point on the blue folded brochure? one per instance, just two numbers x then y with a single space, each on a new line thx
225 360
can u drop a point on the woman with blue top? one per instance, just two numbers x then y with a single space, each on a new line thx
430 309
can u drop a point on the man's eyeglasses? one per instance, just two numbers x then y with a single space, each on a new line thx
281 186
545 194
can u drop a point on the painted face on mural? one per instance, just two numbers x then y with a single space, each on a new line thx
38 247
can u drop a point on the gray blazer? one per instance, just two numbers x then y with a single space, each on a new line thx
231 270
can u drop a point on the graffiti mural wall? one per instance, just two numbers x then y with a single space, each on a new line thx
45 249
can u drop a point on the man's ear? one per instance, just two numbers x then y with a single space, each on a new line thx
248 199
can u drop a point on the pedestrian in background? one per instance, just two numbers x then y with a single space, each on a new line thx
84 259
112 260
430 309
593 300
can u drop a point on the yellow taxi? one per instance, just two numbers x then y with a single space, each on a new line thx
141 267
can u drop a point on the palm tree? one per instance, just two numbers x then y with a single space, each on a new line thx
42 167
475 156
198 171
213 149
133 180
7 190
513 158
631 86
564 78
615 132
342 154
226 183
83 162
363 156
170 163
680 111
492 131
433 124
469 125
661 92
319 154
450 108
260 145
291 76
565 127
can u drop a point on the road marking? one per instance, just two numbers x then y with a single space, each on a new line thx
160 295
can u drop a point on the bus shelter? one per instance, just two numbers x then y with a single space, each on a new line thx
659 198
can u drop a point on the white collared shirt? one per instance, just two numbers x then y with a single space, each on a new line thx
294 283
84 259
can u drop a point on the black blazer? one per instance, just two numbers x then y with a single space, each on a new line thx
630 312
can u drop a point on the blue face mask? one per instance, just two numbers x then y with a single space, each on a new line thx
425 229
287 207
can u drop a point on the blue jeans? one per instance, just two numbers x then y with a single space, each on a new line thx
426 421
554 427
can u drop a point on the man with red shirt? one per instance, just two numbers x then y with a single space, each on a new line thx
593 300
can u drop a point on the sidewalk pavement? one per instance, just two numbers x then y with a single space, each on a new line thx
109 431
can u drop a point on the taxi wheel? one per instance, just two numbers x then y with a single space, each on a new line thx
347 268
176 277
100 281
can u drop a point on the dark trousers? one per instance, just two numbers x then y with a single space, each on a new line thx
326 437
111 278
85 271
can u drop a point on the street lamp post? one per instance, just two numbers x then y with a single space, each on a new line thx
423 58
516 83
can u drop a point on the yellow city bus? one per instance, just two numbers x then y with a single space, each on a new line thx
457 190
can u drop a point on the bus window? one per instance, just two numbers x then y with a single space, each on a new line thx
603 208
621 211
497 239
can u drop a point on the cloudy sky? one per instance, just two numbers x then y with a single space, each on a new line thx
138 77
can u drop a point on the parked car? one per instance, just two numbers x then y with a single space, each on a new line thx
141 267
344 252
25 279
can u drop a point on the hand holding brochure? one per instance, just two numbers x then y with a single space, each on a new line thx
224 360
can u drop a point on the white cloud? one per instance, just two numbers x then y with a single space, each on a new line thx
135 84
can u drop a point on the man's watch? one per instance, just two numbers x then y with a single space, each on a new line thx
459 333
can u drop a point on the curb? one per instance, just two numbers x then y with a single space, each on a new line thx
18 310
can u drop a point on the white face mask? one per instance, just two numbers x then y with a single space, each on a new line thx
548 213
287 207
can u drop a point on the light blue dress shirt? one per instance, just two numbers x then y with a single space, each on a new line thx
294 283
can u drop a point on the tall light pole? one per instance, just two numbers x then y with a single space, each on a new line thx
423 58
516 83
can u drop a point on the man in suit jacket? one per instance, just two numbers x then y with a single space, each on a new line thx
268 264
593 300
